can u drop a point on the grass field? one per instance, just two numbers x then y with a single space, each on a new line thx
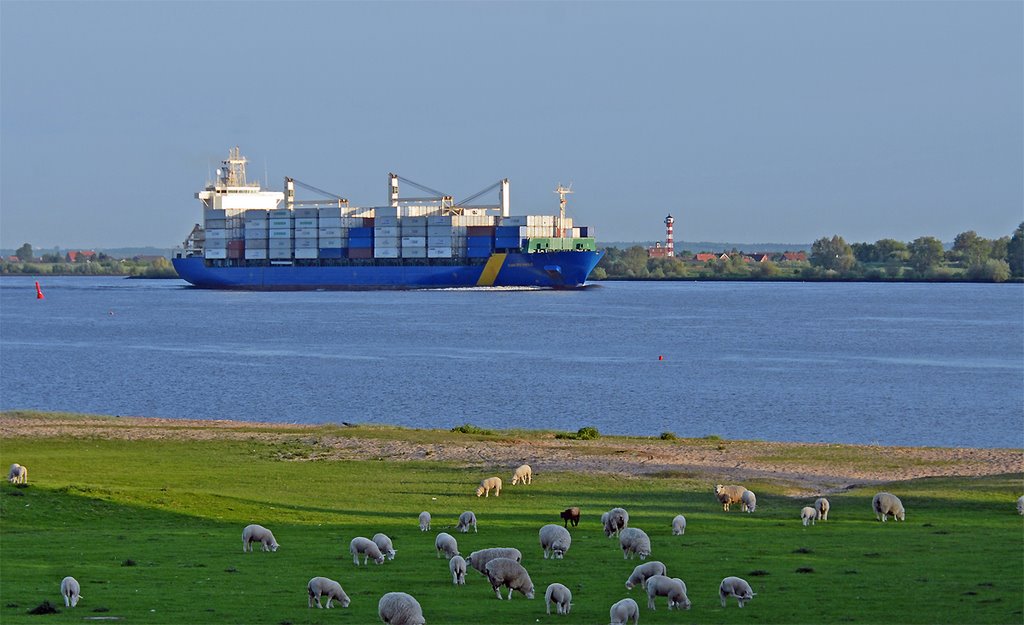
152 530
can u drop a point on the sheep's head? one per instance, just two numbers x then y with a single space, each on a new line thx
529 592
274 546
718 488
345 602
479 491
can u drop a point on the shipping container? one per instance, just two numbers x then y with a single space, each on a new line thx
390 222
281 254
216 253
480 231
360 243
478 252
280 234
330 222
306 233
333 242
439 220
327 233
306 252
386 242
414 252
279 244
281 213
414 221
386 231
367 222
214 213
306 222
256 244
260 254
281 223
507 242
385 211
256 213
506 231
215 223
236 245
413 231
439 241
414 241
331 212
307 213
332 252
352 222
216 233
439 252
443 231
360 233
360 252
258 224
487 242
305 244
385 252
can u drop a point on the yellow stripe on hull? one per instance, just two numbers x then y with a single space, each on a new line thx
491 269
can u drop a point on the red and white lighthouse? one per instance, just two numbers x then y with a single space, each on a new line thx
670 249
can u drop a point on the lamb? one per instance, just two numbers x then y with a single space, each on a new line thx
523 474
678 525
570 515
479 559
466 519
644 571
749 501
331 589
384 544
366 547
1020 505
671 587
735 587
457 565
729 495
885 504
424 521
615 521
488 484
18 474
634 541
808 515
447 544
71 591
560 596
555 540
399 608
507 572
257 533
822 506
624 610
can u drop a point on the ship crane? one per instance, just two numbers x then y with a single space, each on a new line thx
291 202
502 205
562 201
437 196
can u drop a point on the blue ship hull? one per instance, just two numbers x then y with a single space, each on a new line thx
558 270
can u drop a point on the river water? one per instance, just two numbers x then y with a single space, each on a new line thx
890 364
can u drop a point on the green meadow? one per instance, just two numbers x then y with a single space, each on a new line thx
152 531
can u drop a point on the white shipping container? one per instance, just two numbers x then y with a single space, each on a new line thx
216 233
386 242
305 222
439 252
280 234
330 222
257 223
306 213
439 241
253 233
281 223
413 231
351 222
385 252
414 221
327 233
305 244
414 241
385 231
331 212
256 244
281 213
254 254
216 253
334 242
439 220
280 254
307 233
445 231
311 252
514 220
215 223
385 211
386 221
256 213
414 252
279 244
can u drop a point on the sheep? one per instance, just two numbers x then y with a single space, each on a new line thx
624 610
1020 504
555 540
18 474
678 525
615 521
328 587
735 587
643 571
457 565
822 506
671 587
729 495
257 533
749 501
634 542
885 504
523 474
384 544
366 547
399 608
488 484
447 544
570 515
479 559
71 591
808 515
466 519
424 521
507 572
559 595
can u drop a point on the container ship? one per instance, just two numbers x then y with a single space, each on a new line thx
252 238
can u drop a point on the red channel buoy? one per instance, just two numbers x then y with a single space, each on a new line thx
661 358
39 292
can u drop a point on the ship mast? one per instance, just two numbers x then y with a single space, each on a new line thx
562 192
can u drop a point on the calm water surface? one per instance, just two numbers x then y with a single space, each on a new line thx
920 364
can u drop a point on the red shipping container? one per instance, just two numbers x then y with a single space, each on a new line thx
360 252
236 245
479 231
367 222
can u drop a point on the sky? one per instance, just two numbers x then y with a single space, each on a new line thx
776 122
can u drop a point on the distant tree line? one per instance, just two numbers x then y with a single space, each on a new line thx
24 262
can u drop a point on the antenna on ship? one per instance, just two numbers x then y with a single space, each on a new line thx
562 192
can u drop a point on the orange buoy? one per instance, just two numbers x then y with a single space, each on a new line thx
39 292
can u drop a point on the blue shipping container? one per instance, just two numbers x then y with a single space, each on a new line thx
507 242
360 233
359 242
479 241
333 252
506 231
478 252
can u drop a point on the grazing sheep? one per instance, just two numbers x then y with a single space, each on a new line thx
808 515
634 541
507 572
555 540
457 565
616 520
604 519
466 519
735 587
488 484
479 559
570 515
624 610
729 495
523 474
885 504
643 571
560 596
749 501
258 533
366 547
678 525
328 587
399 608
447 544
71 591
671 587
1020 505
424 521
18 474
384 544
822 506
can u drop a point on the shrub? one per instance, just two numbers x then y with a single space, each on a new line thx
469 428
588 433
668 436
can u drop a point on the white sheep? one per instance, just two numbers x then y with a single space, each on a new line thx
399 608
559 595
554 540
466 519
71 591
749 501
457 566
728 495
368 549
257 533
735 587
523 474
383 543
808 515
616 520
822 506
634 541
678 525
424 521
885 504
487 485
509 573
18 474
643 571
479 559
446 543
671 587
624 610
328 587
1020 505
